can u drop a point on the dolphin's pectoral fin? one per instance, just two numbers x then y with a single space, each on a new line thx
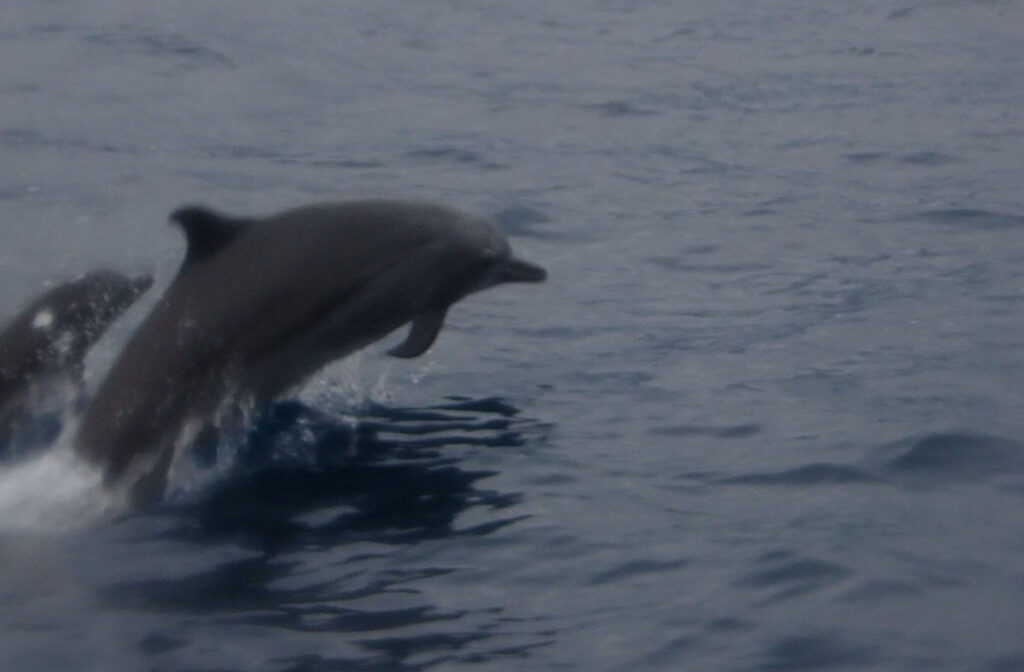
206 231
422 334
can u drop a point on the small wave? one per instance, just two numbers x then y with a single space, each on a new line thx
816 652
866 157
617 108
900 13
740 431
953 456
446 153
684 263
985 220
927 158
784 575
520 220
919 158
810 474
130 41
934 459
636 568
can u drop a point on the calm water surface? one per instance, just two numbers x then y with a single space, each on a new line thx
764 415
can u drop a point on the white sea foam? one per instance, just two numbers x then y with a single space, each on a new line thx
51 492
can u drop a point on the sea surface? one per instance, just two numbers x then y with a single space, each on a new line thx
767 413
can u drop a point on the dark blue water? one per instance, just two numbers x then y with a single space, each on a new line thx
765 414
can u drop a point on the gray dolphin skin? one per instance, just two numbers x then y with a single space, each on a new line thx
49 338
260 304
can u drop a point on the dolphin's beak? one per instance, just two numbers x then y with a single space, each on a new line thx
517 270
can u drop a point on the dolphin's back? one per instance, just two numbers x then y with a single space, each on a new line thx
283 273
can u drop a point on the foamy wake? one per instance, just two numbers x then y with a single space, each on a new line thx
52 492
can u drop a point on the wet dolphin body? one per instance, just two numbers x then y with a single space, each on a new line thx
260 304
47 341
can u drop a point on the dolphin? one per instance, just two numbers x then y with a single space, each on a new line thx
46 343
258 305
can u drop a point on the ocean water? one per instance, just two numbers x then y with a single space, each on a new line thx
766 413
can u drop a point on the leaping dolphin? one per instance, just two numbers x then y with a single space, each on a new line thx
260 304
47 341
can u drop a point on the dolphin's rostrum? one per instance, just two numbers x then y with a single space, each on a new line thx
260 304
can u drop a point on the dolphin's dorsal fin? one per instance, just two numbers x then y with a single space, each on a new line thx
422 334
206 231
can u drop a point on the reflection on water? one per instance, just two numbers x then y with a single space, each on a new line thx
323 510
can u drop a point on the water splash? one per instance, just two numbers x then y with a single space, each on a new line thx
49 488
51 492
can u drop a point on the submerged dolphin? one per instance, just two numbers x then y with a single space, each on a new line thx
260 304
47 341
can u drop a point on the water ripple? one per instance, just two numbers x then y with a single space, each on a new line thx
130 41
953 456
931 460
977 219
815 652
787 576
636 568
522 221
818 473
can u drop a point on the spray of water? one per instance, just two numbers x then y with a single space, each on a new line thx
53 491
